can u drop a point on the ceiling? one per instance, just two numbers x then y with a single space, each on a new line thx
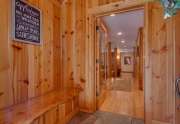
128 23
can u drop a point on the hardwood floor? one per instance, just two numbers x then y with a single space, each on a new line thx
125 103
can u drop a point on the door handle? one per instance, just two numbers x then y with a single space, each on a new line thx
178 87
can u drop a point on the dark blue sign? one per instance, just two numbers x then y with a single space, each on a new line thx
27 23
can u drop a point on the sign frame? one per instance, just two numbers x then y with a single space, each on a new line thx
13 24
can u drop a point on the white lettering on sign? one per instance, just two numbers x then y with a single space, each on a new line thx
27 22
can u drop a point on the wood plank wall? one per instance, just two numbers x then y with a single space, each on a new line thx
162 66
177 63
73 35
96 3
73 13
160 104
139 60
26 70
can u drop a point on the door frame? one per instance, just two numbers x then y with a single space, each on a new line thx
91 69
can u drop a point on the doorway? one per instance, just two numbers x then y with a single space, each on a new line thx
120 63
159 39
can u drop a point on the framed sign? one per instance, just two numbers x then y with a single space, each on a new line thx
127 60
26 23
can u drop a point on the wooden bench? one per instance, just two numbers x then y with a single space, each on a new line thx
56 107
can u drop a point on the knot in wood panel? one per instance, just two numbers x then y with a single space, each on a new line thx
1 93
82 80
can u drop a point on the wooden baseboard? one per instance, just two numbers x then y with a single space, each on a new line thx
71 115
87 111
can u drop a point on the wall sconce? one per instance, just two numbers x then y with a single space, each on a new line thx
118 57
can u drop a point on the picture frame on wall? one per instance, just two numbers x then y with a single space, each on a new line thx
26 23
127 60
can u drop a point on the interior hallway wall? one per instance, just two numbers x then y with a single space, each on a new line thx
74 34
27 70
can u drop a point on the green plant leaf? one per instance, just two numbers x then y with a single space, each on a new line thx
170 7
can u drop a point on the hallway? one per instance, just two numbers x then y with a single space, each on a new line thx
120 79
125 103
90 62
123 97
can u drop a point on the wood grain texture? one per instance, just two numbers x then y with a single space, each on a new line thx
127 103
139 60
92 13
162 65
177 63
29 71
74 27
66 57
159 86
6 97
56 107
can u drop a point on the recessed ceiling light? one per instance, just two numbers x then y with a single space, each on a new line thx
119 33
112 15
123 41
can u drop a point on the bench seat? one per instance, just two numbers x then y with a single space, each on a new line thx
30 111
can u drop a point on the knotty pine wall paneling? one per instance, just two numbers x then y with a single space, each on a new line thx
6 94
27 70
80 48
159 90
74 20
67 42
96 3
57 48
73 28
177 63
162 66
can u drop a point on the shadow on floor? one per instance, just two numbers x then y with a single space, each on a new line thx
103 118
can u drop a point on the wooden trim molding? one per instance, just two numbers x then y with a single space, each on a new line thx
116 7
92 15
